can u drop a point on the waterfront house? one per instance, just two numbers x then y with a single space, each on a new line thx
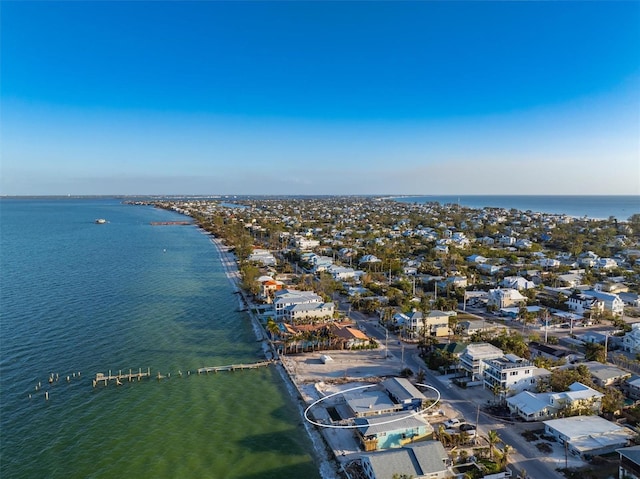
286 298
263 257
370 402
348 337
422 460
391 430
404 393
308 311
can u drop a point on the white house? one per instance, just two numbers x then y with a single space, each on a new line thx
308 311
631 340
369 259
582 303
489 269
605 263
262 256
611 301
537 407
505 298
588 435
517 282
285 298
511 373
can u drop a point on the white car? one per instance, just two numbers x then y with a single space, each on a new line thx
452 423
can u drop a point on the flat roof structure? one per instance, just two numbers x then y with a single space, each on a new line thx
370 402
402 389
380 424
590 433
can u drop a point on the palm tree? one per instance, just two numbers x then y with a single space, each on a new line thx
492 439
443 435
272 327
504 457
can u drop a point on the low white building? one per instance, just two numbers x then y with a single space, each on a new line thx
588 435
540 406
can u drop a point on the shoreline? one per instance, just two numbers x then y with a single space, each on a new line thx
327 465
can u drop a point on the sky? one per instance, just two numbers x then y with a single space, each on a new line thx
393 98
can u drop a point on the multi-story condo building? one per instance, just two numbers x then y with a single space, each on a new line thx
472 359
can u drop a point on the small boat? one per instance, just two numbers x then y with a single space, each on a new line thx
101 221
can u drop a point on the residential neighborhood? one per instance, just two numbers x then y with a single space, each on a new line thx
525 323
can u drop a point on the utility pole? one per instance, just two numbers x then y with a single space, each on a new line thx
477 421
386 343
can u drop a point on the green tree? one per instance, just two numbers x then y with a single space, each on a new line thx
272 327
612 401
595 352
492 439
504 456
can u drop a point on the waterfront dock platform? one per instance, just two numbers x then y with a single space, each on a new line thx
118 378
234 367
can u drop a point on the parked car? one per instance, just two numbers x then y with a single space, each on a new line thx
467 427
451 423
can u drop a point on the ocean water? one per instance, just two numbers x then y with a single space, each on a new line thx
597 207
77 297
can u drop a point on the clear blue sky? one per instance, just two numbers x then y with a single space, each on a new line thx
320 97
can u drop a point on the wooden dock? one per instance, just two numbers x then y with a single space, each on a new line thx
102 379
119 378
234 367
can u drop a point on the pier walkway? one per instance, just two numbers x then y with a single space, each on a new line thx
234 367
104 379
118 378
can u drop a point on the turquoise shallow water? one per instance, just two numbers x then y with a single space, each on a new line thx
80 297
